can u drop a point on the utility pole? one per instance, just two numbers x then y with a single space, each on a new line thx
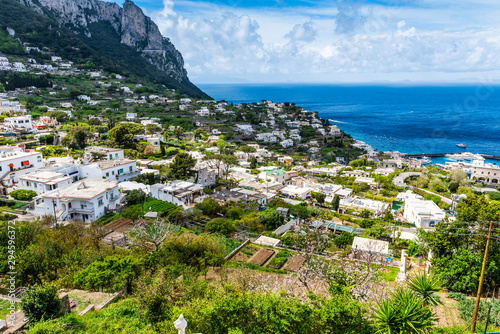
478 298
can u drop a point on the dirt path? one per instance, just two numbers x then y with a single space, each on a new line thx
447 313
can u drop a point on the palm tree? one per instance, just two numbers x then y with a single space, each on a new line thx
426 288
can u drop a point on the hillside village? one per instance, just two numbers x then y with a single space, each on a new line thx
115 153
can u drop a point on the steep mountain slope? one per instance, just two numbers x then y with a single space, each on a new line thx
122 40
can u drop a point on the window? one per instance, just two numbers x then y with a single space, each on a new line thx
130 168
120 171
113 172
111 156
107 174
100 202
116 155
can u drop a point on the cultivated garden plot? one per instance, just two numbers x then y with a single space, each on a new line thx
261 257
279 259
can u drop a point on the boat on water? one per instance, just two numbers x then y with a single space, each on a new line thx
461 145
464 156
426 160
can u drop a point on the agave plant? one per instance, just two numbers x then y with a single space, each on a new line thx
403 313
426 288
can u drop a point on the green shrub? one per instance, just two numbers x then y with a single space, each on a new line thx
23 195
221 226
41 303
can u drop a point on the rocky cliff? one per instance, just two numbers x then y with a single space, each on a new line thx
133 27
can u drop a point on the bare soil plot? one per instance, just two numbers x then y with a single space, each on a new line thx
120 225
261 257
295 263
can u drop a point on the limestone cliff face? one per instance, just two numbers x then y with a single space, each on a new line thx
134 28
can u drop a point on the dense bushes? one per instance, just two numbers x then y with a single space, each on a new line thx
194 250
221 311
221 226
229 311
112 273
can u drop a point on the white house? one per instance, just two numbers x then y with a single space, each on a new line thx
377 207
152 139
276 175
370 249
334 131
390 163
266 136
178 192
150 121
20 122
115 170
206 175
85 200
107 153
294 191
15 158
287 143
244 128
42 181
422 213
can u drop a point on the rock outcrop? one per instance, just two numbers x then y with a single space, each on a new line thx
135 29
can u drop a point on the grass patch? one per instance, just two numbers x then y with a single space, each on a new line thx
156 205
391 275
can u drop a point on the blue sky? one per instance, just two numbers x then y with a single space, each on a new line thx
333 41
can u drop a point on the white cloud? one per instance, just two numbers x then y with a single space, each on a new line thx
366 42
302 32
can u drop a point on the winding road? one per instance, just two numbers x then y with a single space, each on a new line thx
399 181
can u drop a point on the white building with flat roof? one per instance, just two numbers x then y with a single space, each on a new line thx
15 158
42 182
486 172
104 153
182 193
20 122
294 191
377 207
422 213
115 170
131 116
85 200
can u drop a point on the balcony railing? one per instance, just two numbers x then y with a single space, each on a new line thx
85 211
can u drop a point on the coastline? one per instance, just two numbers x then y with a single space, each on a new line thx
413 120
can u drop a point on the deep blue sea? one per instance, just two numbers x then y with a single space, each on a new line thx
409 119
